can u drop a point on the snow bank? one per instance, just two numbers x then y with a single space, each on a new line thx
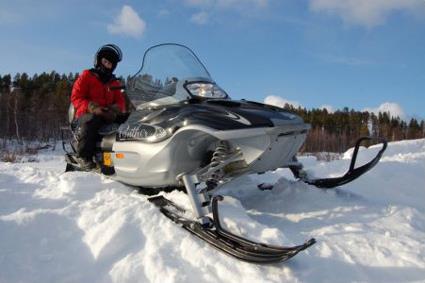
82 227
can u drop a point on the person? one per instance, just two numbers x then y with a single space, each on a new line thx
98 100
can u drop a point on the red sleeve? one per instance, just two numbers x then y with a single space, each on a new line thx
79 95
119 98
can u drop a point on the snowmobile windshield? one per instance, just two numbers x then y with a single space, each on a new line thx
165 68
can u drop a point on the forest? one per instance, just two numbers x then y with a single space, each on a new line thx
35 108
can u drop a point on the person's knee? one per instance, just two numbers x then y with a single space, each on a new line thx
98 120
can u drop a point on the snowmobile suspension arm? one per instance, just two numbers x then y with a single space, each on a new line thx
198 199
352 173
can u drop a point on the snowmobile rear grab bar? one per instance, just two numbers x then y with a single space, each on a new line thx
352 173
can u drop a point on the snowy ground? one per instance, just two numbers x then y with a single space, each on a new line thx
82 227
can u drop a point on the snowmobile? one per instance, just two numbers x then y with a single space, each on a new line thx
186 131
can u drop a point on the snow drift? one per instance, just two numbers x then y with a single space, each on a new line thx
82 227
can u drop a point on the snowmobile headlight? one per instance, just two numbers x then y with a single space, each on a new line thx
159 135
206 90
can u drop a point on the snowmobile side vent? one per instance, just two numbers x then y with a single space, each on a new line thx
292 133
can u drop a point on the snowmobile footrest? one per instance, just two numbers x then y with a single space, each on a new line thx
225 241
352 173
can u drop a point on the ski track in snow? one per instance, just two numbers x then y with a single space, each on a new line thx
83 227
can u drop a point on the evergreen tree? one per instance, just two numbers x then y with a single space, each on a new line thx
35 108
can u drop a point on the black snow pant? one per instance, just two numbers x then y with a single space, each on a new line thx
88 127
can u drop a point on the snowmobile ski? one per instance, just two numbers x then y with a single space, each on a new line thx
223 240
350 175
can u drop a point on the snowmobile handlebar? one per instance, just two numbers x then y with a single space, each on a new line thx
352 173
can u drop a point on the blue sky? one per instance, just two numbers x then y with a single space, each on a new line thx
363 54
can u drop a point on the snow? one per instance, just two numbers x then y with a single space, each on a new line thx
83 227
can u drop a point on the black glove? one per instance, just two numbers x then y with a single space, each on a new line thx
108 115
94 108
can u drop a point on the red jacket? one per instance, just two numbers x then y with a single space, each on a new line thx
88 87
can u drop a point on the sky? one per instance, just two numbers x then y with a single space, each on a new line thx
360 54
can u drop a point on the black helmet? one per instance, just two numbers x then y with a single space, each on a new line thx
111 52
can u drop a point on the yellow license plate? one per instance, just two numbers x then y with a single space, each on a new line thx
107 159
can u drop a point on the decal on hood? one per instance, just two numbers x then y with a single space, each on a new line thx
237 117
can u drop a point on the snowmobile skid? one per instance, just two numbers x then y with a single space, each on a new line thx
352 173
186 132
225 241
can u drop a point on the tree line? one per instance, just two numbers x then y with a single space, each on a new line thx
35 107
338 131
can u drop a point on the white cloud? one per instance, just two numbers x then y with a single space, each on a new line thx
200 18
199 3
164 13
243 7
236 3
128 22
393 108
7 17
280 102
227 3
367 13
